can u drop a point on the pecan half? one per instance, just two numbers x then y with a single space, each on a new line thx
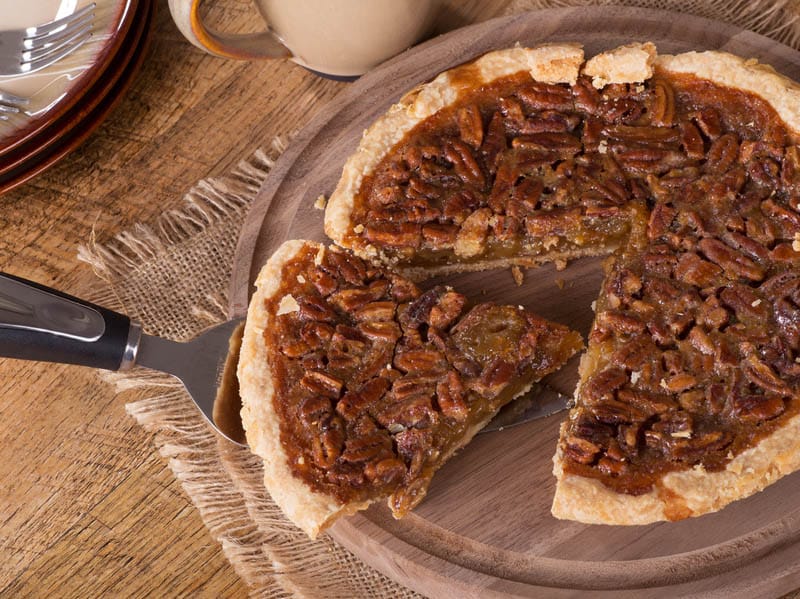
733 262
757 407
450 396
759 373
396 235
470 124
322 383
663 109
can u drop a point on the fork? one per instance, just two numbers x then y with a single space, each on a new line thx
10 104
27 50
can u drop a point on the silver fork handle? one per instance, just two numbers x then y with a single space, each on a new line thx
40 323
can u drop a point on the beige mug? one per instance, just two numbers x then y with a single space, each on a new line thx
341 38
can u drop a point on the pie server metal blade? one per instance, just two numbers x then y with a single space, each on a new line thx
540 402
39 323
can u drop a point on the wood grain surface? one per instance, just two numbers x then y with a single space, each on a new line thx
485 527
87 507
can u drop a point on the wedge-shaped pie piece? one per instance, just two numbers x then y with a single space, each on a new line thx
688 166
357 386
501 161
690 390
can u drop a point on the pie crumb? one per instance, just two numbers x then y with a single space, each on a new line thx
320 203
756 303
635 376
517 274
301 279
358 229
602 147
632 63
796 242
550 241
288 304
681 434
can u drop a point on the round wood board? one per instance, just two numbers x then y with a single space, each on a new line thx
485 527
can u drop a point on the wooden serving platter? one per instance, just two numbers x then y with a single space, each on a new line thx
485 528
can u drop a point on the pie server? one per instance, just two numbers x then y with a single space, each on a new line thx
542 401
39 323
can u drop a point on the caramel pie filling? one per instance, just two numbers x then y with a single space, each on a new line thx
694 353
378 382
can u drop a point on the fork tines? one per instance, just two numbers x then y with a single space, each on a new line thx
45 44
53 26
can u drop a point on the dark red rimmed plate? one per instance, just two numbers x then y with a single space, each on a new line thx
114 21
67 132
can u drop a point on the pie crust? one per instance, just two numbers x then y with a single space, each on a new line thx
310 510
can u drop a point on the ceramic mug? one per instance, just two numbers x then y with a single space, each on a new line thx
341 38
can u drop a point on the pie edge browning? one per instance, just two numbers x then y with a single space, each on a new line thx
310 510
681 494
695 492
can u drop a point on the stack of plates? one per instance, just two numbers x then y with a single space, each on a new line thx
69 99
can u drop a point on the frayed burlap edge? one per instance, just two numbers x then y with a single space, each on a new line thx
166 251
144 267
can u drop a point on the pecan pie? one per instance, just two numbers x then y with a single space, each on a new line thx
356 385
687 170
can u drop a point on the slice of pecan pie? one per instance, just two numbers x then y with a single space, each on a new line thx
501 161
688 168
690 389
356 385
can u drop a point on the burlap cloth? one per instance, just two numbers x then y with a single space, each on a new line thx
173 276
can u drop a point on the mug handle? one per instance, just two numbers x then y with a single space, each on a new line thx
241 46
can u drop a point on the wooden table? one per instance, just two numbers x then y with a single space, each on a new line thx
87 508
